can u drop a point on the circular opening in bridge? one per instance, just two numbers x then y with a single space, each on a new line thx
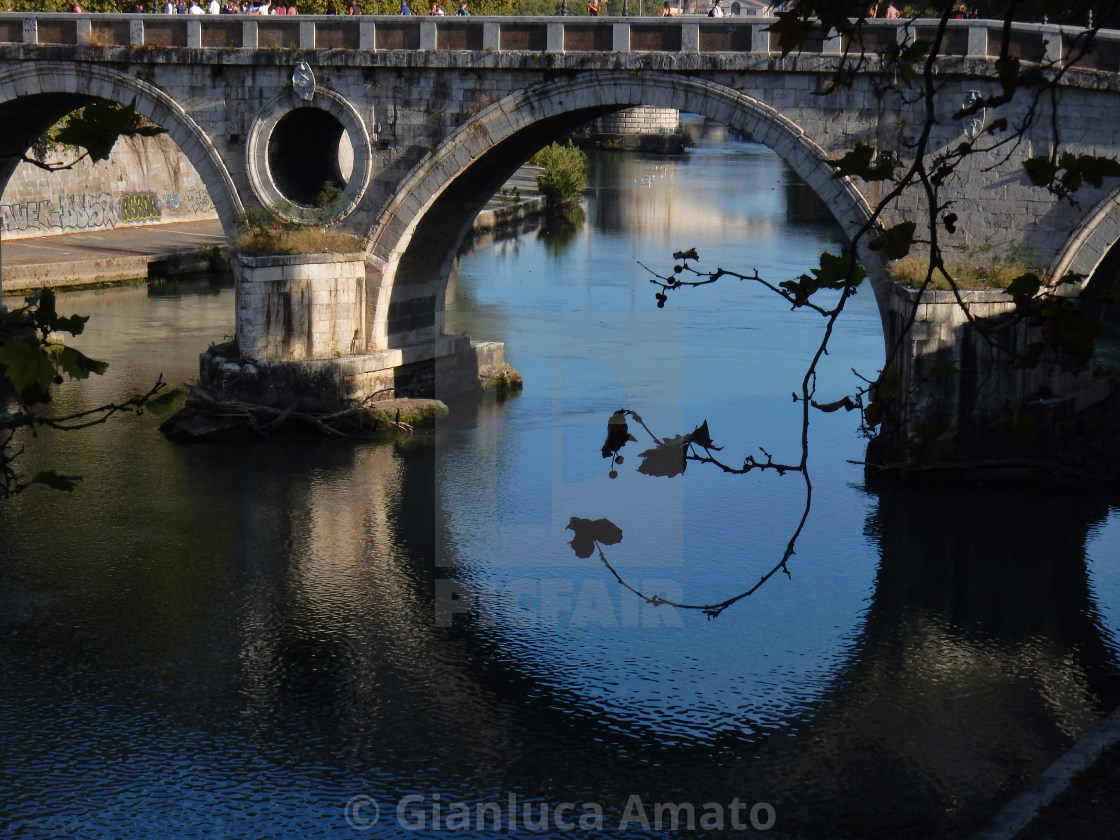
310 157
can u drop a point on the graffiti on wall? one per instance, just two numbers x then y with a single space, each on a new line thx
192 202
70 212
102 212
139 207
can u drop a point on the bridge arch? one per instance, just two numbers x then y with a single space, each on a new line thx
1089 244
415 236
35 96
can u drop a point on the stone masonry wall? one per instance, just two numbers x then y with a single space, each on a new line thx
299 307
643 120
146 180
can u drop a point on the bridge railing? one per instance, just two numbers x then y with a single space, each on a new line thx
978 38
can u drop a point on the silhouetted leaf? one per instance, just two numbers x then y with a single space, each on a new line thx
1024 287
666 459
845 403
690 254
895 242
588 532
100 125
1007 69
857 163
618 434
701 437
792 31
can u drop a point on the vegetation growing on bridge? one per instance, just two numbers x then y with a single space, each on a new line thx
265 234
986 266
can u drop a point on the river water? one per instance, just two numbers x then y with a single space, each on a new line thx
300 638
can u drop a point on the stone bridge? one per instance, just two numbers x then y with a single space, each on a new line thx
422 119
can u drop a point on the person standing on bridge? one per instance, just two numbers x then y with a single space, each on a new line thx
462 10
593 8
716 10
892 11
666 10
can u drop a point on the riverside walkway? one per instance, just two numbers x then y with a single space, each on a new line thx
141 251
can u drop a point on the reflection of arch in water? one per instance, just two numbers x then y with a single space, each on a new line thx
981 659
418 232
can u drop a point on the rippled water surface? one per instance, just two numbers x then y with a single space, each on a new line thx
249 638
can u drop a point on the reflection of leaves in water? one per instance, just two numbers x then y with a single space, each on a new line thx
588 532
559 229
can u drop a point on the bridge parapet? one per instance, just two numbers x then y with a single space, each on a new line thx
966 38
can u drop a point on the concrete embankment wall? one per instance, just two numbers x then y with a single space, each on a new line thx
145 181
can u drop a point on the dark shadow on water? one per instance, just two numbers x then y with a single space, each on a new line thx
198 285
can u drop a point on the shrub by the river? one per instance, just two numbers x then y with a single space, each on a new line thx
564 176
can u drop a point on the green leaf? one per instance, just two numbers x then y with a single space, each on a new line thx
50 478
28 366
75 363
163 403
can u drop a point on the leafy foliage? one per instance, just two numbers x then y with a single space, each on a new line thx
94 128
564 176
